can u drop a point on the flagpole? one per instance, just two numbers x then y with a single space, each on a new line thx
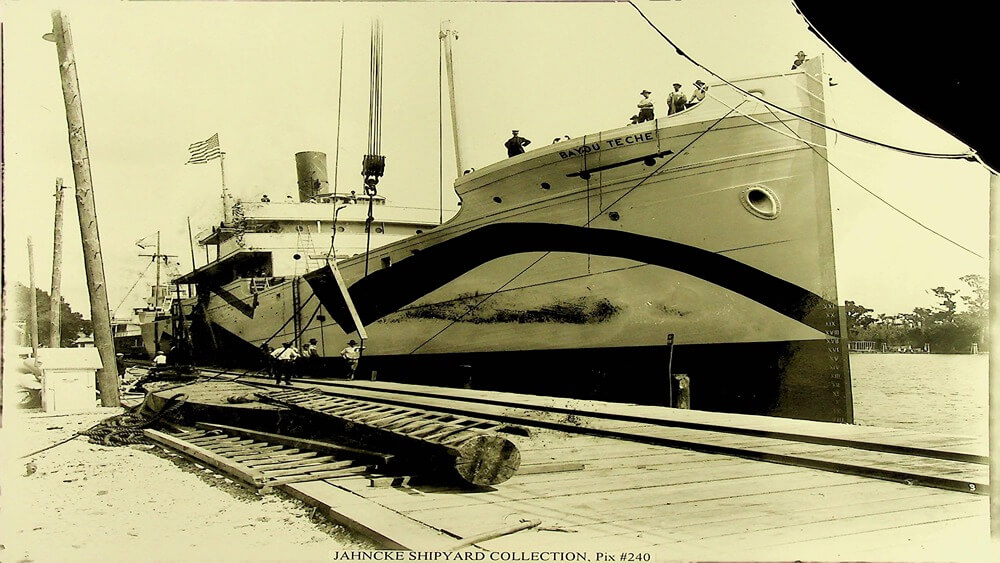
225 195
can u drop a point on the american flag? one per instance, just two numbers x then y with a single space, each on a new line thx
203 151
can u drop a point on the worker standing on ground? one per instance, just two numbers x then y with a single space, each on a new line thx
352 353
286 356
120 363
268 360
645 106
676 101
159 361
515 145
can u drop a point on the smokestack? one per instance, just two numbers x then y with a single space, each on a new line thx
311 169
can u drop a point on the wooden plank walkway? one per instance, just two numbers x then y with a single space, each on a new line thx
685 504
907 458
968 448
599 492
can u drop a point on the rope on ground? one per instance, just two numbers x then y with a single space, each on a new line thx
125 428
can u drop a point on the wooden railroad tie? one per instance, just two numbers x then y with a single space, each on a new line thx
265 460
471 449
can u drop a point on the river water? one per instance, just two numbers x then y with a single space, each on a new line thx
938 393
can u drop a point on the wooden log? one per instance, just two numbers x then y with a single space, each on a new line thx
487 459
467 448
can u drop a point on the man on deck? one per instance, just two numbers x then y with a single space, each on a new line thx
676 101
515 145
645 106
698 95
800 58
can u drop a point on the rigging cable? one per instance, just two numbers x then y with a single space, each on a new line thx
870 192
340 97
587 224
969 155
440 131
373 165
336 158
666 162
129 292
815 31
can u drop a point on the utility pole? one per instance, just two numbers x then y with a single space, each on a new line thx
445 36
107 377
33 300
55 307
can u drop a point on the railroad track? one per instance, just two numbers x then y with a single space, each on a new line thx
264 461
830 447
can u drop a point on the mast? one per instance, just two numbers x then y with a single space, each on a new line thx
194 265
445 36
226 217
156 288
107 376
55 341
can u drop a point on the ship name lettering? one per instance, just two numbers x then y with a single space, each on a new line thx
608 144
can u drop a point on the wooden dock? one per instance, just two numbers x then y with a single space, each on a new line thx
613 478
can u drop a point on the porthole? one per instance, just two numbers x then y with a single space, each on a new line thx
614 216
297 256
545 185
340 229
379 230
420 231
497 199
760 201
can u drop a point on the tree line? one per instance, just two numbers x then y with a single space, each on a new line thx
959 320
72 325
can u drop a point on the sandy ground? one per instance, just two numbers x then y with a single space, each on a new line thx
87 502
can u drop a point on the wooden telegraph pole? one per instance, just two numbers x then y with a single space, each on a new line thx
55 308
33 301
107 377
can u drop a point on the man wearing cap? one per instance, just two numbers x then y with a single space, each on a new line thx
515 145
698 94
645 106
800 58
676 101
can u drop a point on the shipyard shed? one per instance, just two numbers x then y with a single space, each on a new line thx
68 378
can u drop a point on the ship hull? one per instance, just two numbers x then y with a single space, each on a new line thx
568 268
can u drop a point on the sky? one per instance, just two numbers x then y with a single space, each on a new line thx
158 76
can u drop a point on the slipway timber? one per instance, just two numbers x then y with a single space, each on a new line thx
600 476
